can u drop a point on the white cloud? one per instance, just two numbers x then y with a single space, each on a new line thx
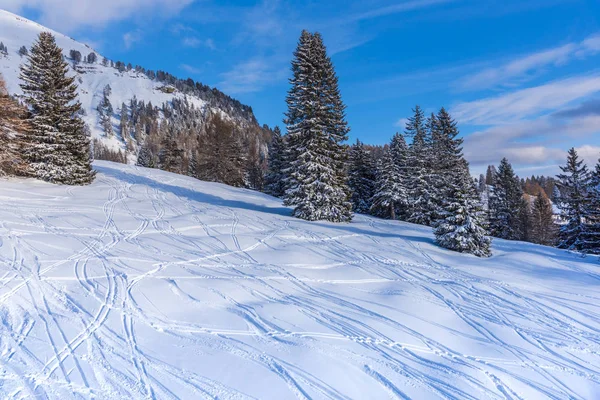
251 76
69 15
190 69
401 123
524 67
130 38
192 41
521 104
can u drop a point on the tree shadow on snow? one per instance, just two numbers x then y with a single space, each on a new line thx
189 194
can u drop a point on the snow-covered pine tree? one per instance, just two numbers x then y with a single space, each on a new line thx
124 128
390 192
592 234
400 152
419 169
573 202
105 111
506 204
361 177
275 178
461 227
543 228
58 146
316 183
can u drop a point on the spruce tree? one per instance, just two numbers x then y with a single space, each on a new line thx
361 178
58 147
275 179
105 111
573 202
316 183
543 228
461 226
390 193
124 128
419 174
592 215
506 205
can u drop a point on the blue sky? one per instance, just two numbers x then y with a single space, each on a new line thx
522 77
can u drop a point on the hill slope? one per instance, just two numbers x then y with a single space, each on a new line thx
150 284
16 31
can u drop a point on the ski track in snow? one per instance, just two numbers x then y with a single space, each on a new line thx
155 286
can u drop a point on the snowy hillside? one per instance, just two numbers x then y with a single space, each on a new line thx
16 31
153 285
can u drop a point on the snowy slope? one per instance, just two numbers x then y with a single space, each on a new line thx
153 285
16 31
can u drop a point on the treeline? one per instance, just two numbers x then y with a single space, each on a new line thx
421 177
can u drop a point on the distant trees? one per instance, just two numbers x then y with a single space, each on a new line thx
91 58
105 111
3 49
57 146
221 156
23 51
361 177
13 125
506 204
75 56
275 177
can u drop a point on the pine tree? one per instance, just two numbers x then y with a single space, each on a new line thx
275 179
361 178
316 183
543 228
105 111
23 51
3 49
461 227
592 215
124 127
390 192
419 174
58 146
490 175
573 202
506 204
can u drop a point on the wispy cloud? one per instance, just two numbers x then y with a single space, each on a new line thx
402 7
130 38
192 41
251 76
190 69
527 66
69 15
521 104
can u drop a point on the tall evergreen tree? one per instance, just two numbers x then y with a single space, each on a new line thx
461 224
506 204
361 177
124 128
390 193
592 215
543 228
419 169
275 179
105 111
400 154
573 202
58 147
316 183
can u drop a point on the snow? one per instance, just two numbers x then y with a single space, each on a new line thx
16 31
148 284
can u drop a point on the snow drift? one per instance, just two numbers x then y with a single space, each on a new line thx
148 284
